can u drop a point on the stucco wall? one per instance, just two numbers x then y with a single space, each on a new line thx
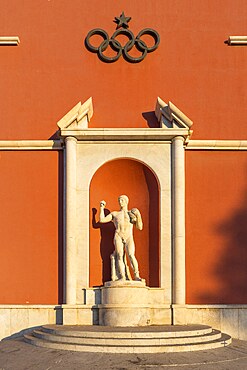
51 70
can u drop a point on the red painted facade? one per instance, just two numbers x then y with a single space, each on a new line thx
51 70
30 256
216 216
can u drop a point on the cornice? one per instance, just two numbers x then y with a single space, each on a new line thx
9 40
237 40
31 145
125 134
217 145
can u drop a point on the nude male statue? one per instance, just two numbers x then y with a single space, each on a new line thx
123 239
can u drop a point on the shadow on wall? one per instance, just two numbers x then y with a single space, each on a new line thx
154 241
231 268
55 136
151 119
106 243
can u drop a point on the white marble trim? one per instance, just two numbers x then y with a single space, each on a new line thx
178 218
9 40
217 145
70 221
237 40
31 145
58 145
131 134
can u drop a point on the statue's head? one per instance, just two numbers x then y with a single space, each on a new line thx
123 200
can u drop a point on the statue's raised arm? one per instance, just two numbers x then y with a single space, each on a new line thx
102 218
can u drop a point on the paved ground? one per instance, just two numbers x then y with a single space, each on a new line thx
15 354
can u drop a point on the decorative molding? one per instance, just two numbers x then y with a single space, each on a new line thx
172 122
9 40
170 117
237 40
31 145
77 118
130 134
217 145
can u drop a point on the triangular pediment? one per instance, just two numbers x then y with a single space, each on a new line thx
78 117
169 116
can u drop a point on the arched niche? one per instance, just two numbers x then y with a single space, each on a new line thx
135 179
83 161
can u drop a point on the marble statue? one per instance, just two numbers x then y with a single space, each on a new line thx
123 239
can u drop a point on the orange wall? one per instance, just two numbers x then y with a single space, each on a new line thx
216 233
51 70
30 261
124 176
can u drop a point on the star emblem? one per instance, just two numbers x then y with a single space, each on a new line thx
122 21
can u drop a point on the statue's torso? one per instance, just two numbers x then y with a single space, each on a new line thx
121 220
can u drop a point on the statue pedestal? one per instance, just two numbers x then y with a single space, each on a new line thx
125 303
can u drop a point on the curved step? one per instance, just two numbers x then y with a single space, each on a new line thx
164 331
111 341
128 339
222 342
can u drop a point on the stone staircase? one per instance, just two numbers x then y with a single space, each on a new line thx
148 339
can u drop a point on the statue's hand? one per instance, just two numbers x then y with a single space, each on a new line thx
102 204
132 217
138 223
135 211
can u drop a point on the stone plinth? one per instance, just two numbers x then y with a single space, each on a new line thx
124 303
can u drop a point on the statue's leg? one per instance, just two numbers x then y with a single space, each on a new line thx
119 254
113 267
127 270
130 247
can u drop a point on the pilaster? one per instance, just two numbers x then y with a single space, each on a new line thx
70 218
178 216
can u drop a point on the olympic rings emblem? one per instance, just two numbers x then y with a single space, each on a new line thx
124 50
